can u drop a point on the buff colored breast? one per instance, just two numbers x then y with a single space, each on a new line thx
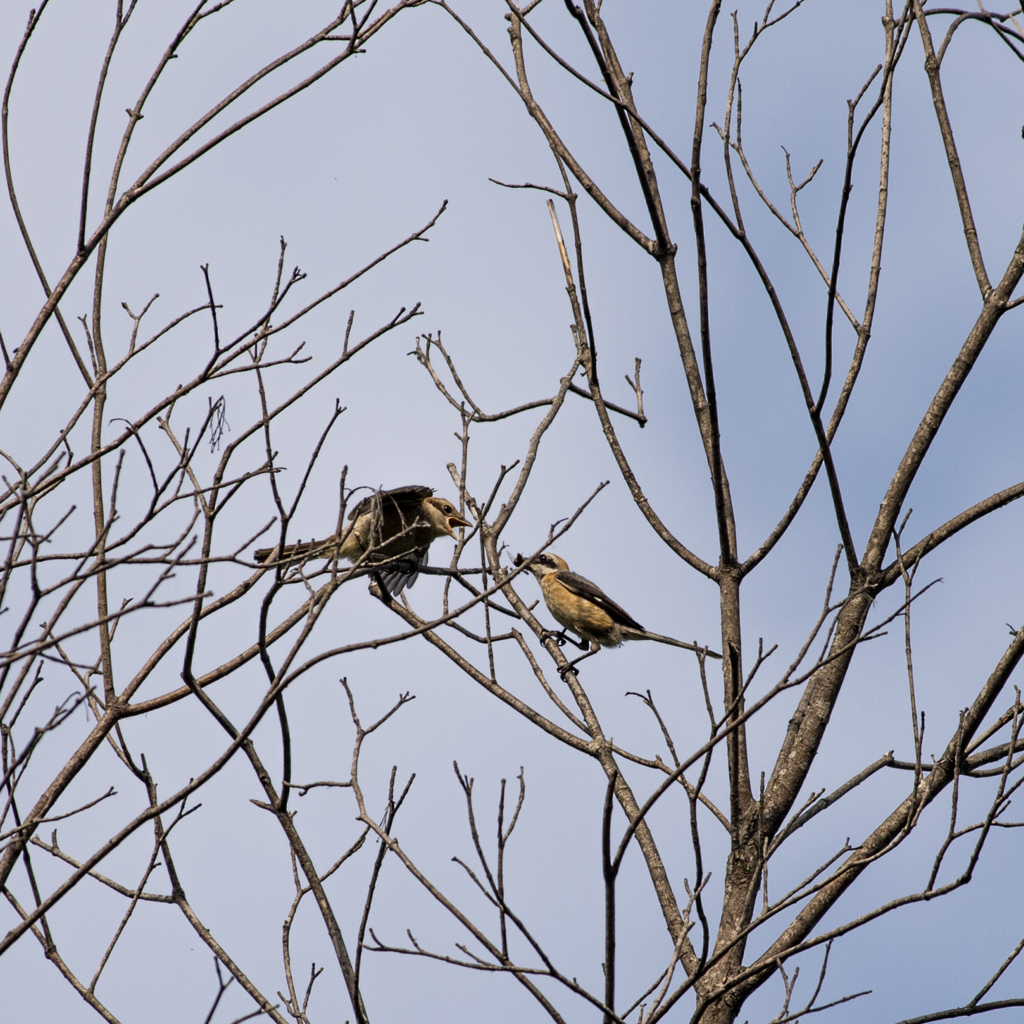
583 617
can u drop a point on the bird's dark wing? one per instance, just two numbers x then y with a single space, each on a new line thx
582 587
402 502
396 580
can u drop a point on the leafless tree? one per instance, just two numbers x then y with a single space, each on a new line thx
102 607
761 823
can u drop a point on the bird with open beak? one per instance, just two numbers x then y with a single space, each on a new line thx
395 527
587 610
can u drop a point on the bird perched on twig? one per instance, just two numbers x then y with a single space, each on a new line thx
588 611
394 527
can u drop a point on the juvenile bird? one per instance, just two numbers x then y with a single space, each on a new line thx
386 526
587 610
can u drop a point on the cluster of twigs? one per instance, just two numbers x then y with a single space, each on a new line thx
151 541
758 825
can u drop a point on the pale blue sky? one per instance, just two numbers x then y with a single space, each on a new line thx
355 164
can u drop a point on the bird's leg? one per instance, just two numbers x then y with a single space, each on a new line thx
571 667
562 638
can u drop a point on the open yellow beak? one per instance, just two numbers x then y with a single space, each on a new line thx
453 521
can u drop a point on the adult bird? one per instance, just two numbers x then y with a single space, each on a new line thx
588 611
396 527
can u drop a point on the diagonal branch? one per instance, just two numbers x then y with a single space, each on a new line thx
931 67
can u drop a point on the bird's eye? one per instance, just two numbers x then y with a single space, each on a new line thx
448 508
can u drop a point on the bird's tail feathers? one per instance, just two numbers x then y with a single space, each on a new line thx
294 552
648 635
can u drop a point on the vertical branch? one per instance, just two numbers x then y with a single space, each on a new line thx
725 541
499 888
503 838
740 795
100 525
605 55
693 795
609 869
837 252
931 67
618 86
908 580
896 37
33 21
100 367
580 333
386 826
286 746
121 20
